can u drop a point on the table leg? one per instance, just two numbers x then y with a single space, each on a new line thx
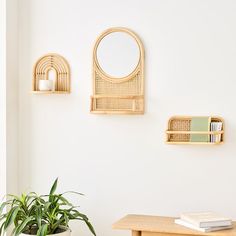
136 233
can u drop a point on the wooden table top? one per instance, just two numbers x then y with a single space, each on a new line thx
163 224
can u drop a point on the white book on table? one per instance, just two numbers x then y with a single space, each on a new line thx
205 219
204 230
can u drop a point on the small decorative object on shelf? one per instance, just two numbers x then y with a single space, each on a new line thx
44 67
195 130
118 73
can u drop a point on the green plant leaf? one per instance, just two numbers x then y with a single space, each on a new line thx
45 213
38 214
57 224
64 200
20 229
47 205
3 205
11 216
73 192
54 212
42 231
90 227
13 196
78 214
3 216
52 190
23 198
54 186
2 228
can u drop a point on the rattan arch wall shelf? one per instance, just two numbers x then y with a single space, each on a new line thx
118 96
179 131
61 68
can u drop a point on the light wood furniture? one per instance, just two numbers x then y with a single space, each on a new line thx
142 225
118 95
61 68
178 131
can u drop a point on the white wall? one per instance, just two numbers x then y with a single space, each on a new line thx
12 96
3 97
9 97
121 163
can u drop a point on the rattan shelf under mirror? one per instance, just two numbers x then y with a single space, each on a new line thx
179 131
60 83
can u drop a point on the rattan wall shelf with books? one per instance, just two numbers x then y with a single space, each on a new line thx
61 81
180 131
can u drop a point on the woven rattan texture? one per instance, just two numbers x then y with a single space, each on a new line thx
180 125
130 87
118 95
118 104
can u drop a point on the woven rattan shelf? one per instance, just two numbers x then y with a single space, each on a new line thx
178 131
50 92
61 68
118 95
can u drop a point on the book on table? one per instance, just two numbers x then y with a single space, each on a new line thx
205 219
204 230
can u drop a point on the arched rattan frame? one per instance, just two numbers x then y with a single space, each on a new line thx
113 95
54 62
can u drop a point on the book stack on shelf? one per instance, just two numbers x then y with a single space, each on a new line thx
205 124
215 126
204 221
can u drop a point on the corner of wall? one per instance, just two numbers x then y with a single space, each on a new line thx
12 88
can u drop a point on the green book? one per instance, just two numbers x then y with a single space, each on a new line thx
200 124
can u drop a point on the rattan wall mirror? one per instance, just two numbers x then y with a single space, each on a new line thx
118 73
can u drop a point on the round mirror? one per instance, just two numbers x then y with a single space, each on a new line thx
118 54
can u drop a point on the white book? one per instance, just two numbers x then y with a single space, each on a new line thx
216 126
213 128
205 219
204 230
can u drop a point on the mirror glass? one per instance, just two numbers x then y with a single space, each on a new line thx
118 54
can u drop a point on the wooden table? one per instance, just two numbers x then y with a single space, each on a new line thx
142 225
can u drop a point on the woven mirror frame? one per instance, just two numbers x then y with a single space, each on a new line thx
113 95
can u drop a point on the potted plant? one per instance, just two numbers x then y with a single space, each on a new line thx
40 215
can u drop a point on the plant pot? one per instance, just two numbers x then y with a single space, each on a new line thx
66 232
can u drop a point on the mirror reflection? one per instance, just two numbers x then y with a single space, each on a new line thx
118 54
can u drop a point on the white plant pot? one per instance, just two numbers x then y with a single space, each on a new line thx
64 233
45 85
